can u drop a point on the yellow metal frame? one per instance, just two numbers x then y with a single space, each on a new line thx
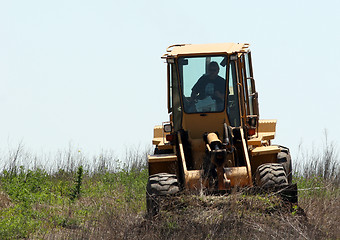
256 149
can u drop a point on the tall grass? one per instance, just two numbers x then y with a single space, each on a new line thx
77 197
317 174
69 193
324 163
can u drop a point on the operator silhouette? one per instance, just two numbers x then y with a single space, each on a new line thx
210 84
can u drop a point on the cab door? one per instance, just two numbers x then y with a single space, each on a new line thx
249 92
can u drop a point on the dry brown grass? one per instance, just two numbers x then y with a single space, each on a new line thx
5 202
322 208
112 206
213 217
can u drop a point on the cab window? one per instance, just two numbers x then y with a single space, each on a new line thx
233 110
203 82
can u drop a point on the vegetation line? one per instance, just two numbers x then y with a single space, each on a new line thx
106 200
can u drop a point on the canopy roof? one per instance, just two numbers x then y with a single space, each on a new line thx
205 49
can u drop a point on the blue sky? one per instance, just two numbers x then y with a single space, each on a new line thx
89 73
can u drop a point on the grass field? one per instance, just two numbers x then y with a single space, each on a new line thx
105 199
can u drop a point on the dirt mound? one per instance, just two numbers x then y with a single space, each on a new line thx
216 217
229 217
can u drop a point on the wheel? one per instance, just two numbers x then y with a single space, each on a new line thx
284 158
271 175
159 185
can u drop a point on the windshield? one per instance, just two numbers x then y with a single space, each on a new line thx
203 83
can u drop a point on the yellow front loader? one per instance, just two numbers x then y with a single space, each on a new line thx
214 140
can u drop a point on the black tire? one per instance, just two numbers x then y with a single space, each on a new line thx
159 185
271 175
285 159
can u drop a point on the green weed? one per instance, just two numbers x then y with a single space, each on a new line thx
75 193
42 201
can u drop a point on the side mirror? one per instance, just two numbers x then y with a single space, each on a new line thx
224 62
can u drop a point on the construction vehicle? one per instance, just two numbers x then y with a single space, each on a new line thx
214 140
